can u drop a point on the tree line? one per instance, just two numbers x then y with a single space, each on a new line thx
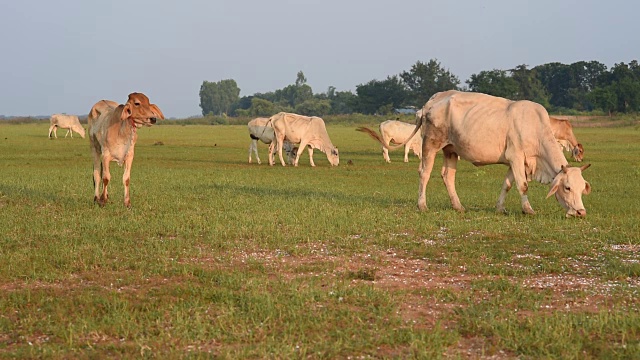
584 86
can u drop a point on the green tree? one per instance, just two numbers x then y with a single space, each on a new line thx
342 102
569 85
495 82
529 87
604 99
424 80
313 107
218 97
377 94
300 79
625 82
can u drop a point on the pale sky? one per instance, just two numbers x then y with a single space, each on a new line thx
63 56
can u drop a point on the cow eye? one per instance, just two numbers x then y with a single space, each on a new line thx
567 188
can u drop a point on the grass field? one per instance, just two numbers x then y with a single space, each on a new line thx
220 258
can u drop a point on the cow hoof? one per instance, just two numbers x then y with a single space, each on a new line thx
528 211
422 207
459 209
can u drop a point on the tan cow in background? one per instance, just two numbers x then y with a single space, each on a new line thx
484 130
305 131
563 132
113 134
69 122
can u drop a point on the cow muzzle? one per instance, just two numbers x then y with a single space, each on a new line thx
581 213
153 120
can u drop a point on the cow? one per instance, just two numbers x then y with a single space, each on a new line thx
261 129
397 132
305 131
563 132
69 122
112 137
484 130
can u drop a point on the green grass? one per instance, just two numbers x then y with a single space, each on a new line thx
222 258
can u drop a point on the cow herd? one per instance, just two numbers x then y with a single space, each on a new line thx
479 128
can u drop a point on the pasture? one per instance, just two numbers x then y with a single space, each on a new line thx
218 257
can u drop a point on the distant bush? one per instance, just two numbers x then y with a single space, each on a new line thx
24 120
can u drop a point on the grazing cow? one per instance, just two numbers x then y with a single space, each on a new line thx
305 131
113 134
69 122
563 132
486 130
261 129
399 132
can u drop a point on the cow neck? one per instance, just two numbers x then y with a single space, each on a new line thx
128 131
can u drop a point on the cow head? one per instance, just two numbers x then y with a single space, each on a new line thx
79 129
568 187
578 152
333 156
140 112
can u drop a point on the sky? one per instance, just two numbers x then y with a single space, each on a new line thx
64 56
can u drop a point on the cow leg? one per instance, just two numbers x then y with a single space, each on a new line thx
97 174
506 186
255 149
51 128
426 165
68 131
385 151
301 148
253 146
407 147
310 150
126 177
448 173
272 149
520 176
106 177
279 145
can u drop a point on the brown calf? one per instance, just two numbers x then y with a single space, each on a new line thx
113 135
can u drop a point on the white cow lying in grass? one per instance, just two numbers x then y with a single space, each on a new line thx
261 129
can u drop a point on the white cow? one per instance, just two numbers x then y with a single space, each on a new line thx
261 129
485 130
305 131
398 132
69 122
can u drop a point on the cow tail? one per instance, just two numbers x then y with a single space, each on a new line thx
377 137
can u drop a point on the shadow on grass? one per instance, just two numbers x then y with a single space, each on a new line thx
306 194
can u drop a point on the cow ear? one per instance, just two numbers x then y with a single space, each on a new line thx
554 186
584 167
553 190
126 112
156 110
587 189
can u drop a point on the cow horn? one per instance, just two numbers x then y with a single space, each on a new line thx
584 167
564 169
